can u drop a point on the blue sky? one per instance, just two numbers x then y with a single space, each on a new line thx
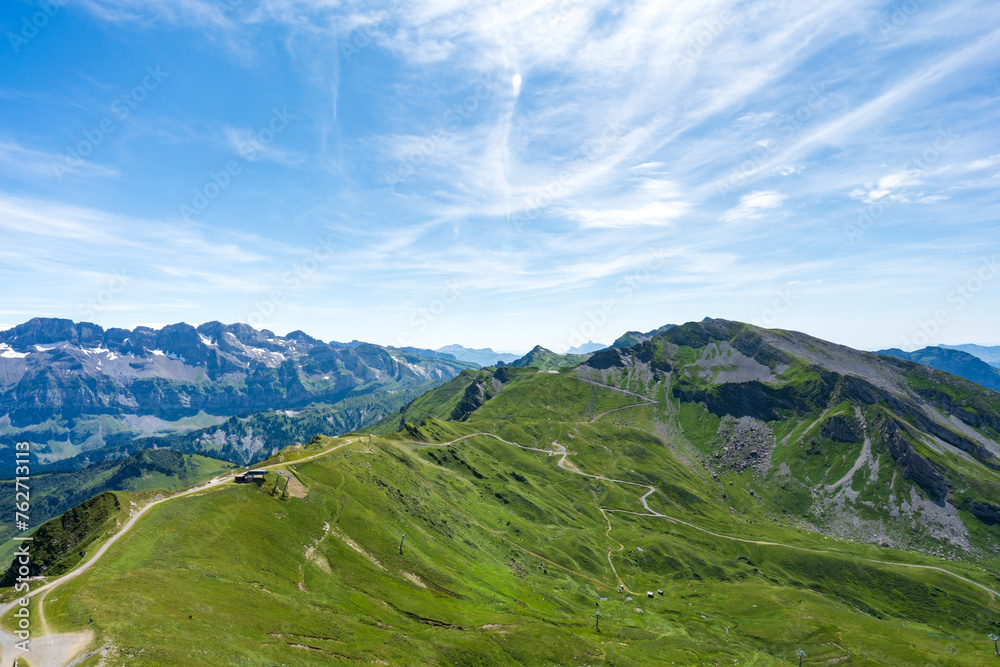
534 172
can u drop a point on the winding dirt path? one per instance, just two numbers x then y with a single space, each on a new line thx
621 547
617 389
56 650
624 407
560 450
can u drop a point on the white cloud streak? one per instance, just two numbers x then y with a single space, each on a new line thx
753 206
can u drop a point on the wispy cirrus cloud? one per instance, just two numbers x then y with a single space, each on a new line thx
22 162
659 214
651 202
984 163
247 144
754 205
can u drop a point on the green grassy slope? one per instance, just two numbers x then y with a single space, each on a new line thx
55 493
508 555
456 399
57 546
440 402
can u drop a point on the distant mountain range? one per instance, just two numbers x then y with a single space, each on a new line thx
433 354
483 356
586 348
989 354
83 394
488 357
954 361
75 389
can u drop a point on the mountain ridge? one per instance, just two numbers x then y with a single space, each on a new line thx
988 353
483 356
74 387
545 359
630 338
954 361
586 348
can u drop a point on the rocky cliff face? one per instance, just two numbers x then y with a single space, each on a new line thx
914 467
73 387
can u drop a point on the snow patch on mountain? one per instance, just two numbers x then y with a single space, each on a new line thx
7 352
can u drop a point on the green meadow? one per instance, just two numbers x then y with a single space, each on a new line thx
508 557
